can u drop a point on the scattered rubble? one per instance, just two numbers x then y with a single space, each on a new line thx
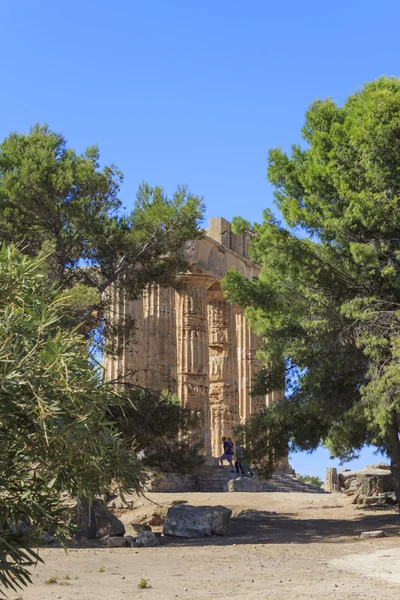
371 486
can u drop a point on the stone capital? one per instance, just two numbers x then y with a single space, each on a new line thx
198 280
216 295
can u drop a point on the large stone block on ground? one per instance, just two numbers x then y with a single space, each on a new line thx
244 484
106 522
371 482
189 521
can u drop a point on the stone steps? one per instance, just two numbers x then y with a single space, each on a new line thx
217 482
213 479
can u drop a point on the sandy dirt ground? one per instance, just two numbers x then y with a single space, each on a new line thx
280 546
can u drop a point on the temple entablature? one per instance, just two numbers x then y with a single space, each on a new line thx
220 250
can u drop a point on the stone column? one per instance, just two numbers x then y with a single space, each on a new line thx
159 339
332 480
241 342
113 358
257 403
224 398
135 348
248 365
192 345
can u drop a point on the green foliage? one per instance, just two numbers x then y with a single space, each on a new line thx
54 435
144 584
159 427
56 201
312 479
328 294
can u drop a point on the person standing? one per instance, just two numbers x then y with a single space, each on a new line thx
231 452
227 454
239 462
239 459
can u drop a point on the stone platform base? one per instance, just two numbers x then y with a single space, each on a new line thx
215 479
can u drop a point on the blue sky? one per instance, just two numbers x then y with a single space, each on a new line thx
187 91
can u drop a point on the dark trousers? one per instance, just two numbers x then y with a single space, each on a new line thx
239 466
244 471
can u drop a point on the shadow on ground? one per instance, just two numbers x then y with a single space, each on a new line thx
262 527
259 527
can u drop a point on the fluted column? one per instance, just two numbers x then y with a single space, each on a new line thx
192 345
113 356
135 366
224 398
243 365
257 403
159 338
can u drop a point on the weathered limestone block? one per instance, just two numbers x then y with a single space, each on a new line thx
173 482
332 481
189 521
350 486
371 482
244 484
350 482
380 465
379 500
366 535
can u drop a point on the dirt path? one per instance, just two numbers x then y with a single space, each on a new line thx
307 550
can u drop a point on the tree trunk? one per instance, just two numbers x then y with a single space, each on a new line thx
87 520
394 453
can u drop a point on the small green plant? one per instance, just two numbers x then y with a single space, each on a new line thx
313 480
144 584
51 580
67 576
64 583
102 570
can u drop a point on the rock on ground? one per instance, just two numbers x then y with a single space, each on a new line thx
106 522
147 539
156 519
117 541
366 535
374 482
244 484
136 528
189 521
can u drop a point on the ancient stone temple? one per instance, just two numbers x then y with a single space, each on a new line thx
193 342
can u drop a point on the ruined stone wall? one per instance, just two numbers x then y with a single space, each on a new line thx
193 342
